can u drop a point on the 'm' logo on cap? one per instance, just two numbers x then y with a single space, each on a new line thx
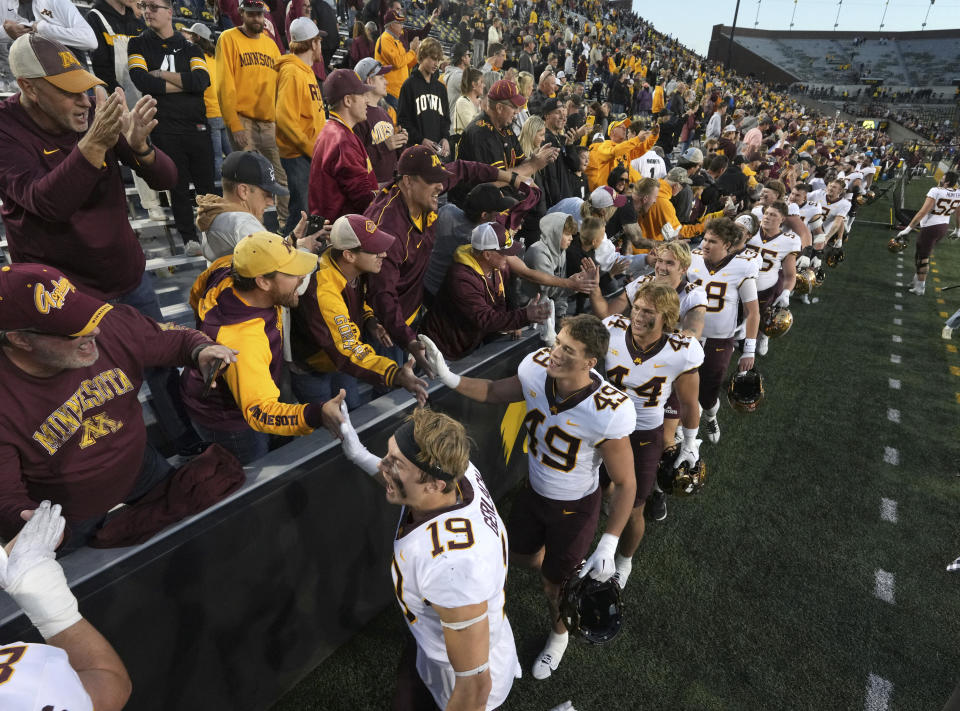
68 60
434 161
371 227
46 300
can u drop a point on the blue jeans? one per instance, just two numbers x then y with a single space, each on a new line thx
246 445
298 179
320 387
163 382
153 470
221 143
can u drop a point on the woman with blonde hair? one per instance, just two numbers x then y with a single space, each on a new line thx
532 134
525 85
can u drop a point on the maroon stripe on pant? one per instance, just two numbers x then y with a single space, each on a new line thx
716 359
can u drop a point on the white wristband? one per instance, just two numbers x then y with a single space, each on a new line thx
451 380
689 436
43 594
749 347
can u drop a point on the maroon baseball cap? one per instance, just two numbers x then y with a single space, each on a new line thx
394 16
343 82
506 90
423 162
357 231
33 57
40 298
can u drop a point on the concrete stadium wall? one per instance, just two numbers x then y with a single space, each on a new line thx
743 60
227 610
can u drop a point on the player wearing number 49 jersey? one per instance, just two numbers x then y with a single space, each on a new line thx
730 282
647 359
942 203
574 420
449 565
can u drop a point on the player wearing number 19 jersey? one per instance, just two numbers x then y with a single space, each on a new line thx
942 202
574 420
730 283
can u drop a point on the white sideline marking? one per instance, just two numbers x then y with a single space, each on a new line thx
899 274
896 339
891 456
894 358
898 307
894 383
898 322
888 510
878 693
884 586
893 415
899 294
898 283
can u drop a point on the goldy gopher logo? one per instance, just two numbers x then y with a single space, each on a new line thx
46 300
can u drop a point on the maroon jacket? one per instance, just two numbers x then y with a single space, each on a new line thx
470 307
342 181
60 210
396 293
77 438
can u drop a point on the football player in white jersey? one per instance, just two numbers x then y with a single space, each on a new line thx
76 669
649 361
449 561
774 191
730 282
942 203
778 248
575 419
835 210
810 211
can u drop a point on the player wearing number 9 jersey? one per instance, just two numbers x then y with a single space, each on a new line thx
942 203
449 565
646 358
574 420
730 282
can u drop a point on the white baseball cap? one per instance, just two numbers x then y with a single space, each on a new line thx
490 236
303 29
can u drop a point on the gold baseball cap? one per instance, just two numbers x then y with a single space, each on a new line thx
266 252
36 57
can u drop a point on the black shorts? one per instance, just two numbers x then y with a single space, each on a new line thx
647 446
928 238
564 528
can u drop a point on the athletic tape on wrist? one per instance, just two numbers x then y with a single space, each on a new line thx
44 596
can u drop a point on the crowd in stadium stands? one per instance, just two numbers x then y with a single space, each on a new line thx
536 172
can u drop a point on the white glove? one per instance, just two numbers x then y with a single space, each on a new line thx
837 243
601 565
783 299
689 453
669 232
904 232
353 448
955 234
437 364
548 329
815 263
803 262
34 579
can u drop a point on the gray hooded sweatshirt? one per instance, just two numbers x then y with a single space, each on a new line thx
547 256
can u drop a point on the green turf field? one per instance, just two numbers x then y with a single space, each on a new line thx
759 593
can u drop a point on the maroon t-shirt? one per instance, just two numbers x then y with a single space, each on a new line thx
77 438
60 210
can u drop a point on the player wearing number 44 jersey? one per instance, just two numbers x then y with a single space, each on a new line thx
942 202
648 360
574 420
730 282
449 565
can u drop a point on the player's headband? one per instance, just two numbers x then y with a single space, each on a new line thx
408 446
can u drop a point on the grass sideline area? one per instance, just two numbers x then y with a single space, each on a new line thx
759 593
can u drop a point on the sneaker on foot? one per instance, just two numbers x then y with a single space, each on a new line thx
917 289
805 299
763 342
623 572
656 508
947 333
549 659
157 214
712 428
192 249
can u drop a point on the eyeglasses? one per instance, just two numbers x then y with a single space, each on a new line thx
152 7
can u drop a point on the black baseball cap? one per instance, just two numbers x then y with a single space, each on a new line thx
487 197
550 105
253 169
